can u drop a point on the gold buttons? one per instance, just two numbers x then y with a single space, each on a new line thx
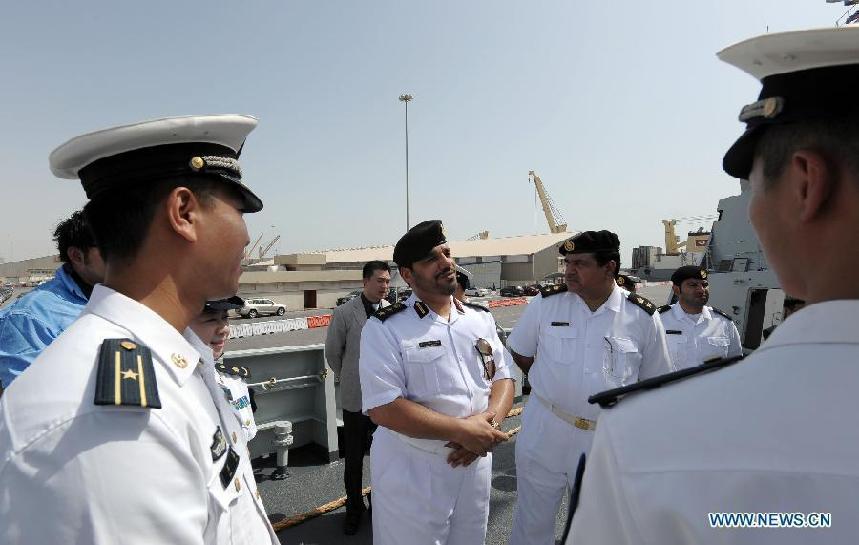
179 361
197 163
128 345
238 485
258 493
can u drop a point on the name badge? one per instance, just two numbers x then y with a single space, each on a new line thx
560 323
673 332
425 344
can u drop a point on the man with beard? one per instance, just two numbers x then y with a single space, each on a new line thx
435 378
118 432
574 340
695 332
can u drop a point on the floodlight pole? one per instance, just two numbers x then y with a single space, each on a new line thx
406 98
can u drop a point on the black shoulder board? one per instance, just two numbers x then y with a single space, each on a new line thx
125 375
386 312
664 308
721 313
610 397
235 370
476 306
554 289
641 302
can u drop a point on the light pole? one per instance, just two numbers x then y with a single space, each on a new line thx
406 98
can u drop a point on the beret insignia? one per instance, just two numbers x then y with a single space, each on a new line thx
569 245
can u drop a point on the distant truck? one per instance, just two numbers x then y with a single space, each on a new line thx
261 307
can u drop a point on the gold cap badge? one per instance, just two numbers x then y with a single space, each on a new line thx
197 163
703 274
569 245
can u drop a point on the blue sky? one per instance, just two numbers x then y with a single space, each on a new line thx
621 107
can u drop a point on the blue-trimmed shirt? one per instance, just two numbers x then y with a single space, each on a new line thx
31 323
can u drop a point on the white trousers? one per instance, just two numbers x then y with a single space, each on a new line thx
547 453
418 499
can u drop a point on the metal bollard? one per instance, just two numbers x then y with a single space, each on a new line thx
282 442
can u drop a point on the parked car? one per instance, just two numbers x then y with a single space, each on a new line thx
512 291
348 297
261 307
477 292
531 290
398 294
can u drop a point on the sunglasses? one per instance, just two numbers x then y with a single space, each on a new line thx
485 350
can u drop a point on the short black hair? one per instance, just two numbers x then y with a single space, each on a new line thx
73 232
371 267
837 139
604 256
120 218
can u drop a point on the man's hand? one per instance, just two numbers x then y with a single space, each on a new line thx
460 456
477 435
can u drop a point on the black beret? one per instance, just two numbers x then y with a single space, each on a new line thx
418 242
686 272
233 303
590 241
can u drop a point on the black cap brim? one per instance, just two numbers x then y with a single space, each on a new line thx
233 303
252 202
738 160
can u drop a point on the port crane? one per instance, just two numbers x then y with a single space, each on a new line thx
556 221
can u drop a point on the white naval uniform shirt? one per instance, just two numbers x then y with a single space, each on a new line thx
774 433
578 353
696 338
75 472
235 391
430 360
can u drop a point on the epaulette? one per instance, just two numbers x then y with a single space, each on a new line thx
547 291
641 302
126 375
664 308
386 312
235 370
609 398
721 313
476 306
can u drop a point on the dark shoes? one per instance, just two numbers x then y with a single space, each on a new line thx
352 523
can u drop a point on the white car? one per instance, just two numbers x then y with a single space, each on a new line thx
478 292
259 307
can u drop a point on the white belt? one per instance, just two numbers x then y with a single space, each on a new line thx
573 420
433 446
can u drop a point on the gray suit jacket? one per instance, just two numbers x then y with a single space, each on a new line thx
342 348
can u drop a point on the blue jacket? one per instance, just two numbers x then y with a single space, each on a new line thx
32 322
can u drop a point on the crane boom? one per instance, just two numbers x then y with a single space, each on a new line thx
264 249
553 215
250 250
